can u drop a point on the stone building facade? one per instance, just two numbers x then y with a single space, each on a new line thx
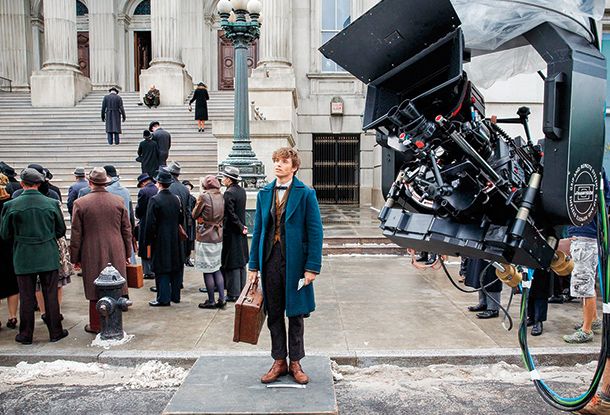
60 50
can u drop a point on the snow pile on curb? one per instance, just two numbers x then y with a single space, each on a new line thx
107 344
30 372
155 374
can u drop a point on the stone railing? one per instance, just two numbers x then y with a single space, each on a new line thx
6 84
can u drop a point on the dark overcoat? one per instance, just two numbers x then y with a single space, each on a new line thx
303 242
184 195
113 112
471 270
201 97
163 216
8 279
144 196
164 141
33 222
234 243
148 154
101 234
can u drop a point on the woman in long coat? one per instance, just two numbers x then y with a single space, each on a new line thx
209 214
200 97
8 280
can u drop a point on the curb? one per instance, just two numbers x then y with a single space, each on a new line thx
546 356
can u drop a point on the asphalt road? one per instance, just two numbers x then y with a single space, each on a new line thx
444 389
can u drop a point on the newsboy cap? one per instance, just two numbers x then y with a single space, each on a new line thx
174 168
30 175
231 172
79 172
164 177
99 176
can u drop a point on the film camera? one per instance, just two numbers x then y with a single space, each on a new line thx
456 182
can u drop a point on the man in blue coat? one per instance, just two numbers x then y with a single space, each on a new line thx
287 252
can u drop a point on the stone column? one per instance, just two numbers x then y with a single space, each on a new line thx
192 23
167 71
103 44
14 55
273 84
276 34
60 82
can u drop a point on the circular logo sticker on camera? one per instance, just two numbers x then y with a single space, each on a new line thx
582 194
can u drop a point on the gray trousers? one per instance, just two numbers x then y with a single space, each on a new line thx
147 267
484 300
235 281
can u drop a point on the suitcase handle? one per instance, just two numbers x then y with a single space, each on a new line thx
253 287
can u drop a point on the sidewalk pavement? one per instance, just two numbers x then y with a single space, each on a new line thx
366 306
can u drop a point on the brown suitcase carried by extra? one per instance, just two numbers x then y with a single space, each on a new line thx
135 278
249 314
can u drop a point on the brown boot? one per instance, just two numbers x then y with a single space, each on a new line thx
279 368
297 373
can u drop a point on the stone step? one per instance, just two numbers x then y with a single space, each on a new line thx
355 245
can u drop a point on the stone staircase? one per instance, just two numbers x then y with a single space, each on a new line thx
64 138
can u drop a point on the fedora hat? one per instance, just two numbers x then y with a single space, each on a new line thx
164 177
9 172
174 168
79 172
152 125
99 176
114 88
142 178
231 172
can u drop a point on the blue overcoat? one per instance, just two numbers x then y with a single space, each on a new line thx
304 236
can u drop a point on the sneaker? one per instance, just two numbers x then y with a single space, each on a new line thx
597 326
579 336
597 406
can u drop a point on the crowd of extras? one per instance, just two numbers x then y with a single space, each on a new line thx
172 225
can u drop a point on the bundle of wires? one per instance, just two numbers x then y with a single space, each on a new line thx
549 395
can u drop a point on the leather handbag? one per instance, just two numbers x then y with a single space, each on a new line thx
182 233
135 277
249 314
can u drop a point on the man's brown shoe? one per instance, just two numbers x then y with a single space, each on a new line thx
597 406
297 373
279 368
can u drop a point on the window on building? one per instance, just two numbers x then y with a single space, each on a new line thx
143 8
606 52
336 16
81 9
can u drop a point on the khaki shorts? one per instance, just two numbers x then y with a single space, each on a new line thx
585 255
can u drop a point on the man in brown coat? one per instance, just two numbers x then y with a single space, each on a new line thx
101 234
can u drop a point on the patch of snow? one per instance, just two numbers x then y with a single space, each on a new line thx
107 344
155 374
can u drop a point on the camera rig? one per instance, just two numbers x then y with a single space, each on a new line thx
456 182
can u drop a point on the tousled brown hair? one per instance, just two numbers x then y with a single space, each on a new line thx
287 153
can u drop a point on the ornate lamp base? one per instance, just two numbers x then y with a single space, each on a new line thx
251 170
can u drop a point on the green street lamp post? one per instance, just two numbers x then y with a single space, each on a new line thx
242 32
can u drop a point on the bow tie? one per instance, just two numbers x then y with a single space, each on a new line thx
281 187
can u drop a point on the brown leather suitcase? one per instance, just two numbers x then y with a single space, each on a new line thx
249 314
135 277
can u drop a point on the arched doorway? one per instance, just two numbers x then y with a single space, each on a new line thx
82 36
138 51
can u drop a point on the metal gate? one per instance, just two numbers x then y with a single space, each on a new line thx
336 168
